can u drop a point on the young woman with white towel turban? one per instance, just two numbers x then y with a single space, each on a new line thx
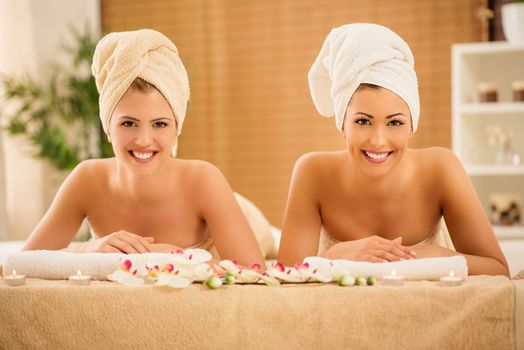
143 199
379 200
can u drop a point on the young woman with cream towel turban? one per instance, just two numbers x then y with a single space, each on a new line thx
143 199
378 200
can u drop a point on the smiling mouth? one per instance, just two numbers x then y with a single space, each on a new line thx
376 157
143 156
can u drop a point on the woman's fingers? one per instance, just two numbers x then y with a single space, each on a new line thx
139 243
374 259
146 242
406 249
109 249
123 246
383 254
396 250
397 242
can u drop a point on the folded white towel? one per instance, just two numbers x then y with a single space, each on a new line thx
416 269
362 53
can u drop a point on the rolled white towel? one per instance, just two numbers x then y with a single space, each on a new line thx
416 269
56 265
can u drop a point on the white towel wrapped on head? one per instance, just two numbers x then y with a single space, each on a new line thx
121 57
359 53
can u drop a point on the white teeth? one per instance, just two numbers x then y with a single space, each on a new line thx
145 155
377 156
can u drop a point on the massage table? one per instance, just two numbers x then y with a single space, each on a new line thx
485 312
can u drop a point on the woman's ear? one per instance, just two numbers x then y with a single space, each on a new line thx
343 131
108 138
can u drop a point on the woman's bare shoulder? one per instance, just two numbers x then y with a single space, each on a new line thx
438 164
94 168
91 174
320 162
198 173
436 157
195 167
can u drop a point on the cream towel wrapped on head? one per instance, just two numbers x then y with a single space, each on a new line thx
121 57
362 53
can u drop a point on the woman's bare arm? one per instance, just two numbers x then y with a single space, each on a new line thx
302 224
61 222
59 225
468 224
302 221
227 225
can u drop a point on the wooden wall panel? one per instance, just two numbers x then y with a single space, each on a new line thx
250 112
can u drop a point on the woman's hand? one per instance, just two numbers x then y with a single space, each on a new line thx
372 249
118 242
164 248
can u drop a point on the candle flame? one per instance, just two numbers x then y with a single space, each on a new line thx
393 272
14 273
451 273
78 273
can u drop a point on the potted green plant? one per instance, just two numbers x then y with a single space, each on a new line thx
513 21
61 118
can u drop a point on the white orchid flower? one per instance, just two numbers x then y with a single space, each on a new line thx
248 276
322 274
228 266
201 272
196 256
125 278
269 280
285 273
172 280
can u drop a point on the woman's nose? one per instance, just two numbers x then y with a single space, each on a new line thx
378 137
143 137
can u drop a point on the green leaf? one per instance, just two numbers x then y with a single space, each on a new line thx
48 114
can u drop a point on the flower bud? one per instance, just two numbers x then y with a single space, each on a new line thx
371 280
213 282
345 280
360 281
229 278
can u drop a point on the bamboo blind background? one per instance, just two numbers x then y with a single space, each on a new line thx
250 111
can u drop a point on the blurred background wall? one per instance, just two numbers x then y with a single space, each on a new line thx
32 33
250 111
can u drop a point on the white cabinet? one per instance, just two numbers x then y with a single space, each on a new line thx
478 127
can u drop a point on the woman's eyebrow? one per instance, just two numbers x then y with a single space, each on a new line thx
395 114
152 120
366 114
387 117
161 119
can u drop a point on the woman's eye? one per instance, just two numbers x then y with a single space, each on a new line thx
396 123
128 124
362 121
160 125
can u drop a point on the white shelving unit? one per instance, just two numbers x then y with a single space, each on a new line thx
500 63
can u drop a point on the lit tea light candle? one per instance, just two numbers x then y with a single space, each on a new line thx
79 279
14 279
451 280
393 279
